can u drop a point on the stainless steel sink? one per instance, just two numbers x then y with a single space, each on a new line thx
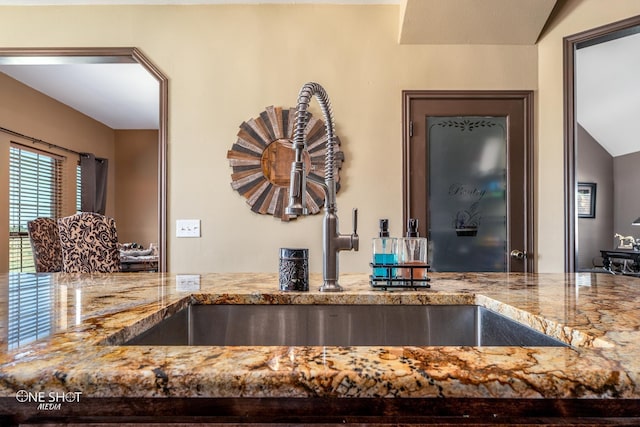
340 325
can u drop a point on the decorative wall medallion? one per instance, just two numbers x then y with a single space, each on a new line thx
261 161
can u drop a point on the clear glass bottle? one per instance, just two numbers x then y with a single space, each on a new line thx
412 250
384 252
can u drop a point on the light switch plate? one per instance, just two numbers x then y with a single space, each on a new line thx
188 228
187 282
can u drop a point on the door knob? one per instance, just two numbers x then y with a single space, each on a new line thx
517 254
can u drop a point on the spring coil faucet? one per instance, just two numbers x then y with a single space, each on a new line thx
332 241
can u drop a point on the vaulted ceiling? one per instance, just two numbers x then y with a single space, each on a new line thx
608 93
472 21
421 21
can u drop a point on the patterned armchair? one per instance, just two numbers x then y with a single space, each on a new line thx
89 243
45 244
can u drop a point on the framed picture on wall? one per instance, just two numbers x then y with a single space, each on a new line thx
587 199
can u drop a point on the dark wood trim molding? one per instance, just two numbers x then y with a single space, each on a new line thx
123 55
527 97
325 411
570 44
163 137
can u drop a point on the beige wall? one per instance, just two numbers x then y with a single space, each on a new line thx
595 164
627 204
33 114
136 176
226 63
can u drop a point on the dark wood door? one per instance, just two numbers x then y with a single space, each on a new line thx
515 110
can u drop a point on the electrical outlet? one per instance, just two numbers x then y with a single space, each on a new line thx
188 228
187 282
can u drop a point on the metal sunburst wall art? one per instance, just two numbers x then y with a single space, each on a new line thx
261 161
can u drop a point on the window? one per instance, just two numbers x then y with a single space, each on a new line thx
35 190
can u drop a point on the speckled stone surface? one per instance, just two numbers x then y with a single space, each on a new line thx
90 314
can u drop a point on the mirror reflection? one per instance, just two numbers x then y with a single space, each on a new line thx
607 152
60 109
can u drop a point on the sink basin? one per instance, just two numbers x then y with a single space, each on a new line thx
340 325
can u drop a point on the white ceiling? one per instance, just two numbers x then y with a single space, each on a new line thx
121 96
608 93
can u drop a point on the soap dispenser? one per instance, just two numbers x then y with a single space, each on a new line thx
412 249
384 252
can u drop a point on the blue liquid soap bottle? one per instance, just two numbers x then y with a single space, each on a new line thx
412 250
384 252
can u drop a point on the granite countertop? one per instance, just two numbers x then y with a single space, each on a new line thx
80 316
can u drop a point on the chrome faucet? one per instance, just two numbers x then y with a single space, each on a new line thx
332 241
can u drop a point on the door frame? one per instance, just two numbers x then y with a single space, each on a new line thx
570 45
526 96
125 55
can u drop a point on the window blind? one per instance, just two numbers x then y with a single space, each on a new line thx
35 190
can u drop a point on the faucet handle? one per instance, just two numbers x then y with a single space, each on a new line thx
355 240
355 220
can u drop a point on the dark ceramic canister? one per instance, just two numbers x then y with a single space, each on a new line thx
294 269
